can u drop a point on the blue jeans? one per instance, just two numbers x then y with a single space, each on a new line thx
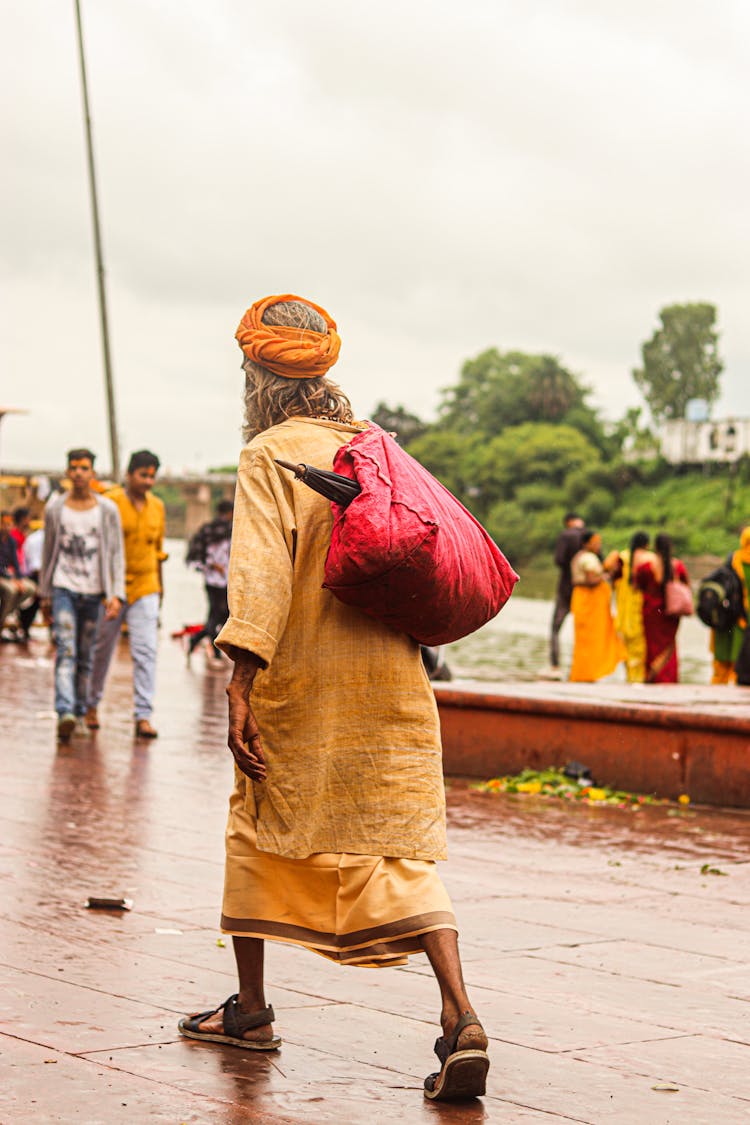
142 617
75 618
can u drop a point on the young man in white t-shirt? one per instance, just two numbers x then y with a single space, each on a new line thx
83 568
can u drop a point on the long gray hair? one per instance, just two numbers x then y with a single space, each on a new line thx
270 399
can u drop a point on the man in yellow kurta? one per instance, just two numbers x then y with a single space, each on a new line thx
338 810
142 519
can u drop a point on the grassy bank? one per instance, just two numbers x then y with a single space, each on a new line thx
703 513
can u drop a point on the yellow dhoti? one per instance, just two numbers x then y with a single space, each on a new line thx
360 910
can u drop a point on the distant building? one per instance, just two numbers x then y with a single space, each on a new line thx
683 442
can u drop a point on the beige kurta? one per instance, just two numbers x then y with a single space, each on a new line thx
347 716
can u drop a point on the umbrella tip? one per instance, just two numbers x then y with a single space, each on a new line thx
298 470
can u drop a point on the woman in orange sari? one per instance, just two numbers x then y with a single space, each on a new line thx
661 629
597 650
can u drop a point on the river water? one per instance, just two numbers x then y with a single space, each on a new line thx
515 646
512 647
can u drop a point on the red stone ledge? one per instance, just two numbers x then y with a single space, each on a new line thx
645 714
641 747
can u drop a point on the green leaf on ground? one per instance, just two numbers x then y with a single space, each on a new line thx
552 782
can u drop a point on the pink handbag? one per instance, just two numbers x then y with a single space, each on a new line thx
678 599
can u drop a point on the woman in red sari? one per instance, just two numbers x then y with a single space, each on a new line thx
661 630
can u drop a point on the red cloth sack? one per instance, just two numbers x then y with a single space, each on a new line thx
406 552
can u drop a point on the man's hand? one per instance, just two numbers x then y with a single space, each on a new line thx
45 605
112 607
244 736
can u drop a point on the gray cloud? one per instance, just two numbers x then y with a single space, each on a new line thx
443 178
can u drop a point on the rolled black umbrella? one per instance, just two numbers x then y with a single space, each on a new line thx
333 486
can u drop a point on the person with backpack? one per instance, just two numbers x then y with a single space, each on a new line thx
727 643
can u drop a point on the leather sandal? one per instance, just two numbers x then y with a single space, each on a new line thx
464 1070
236 1023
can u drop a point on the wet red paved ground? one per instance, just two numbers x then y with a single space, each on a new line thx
603 962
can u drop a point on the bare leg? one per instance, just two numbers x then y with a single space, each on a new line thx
249 954
441 946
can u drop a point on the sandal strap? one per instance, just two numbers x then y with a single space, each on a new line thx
237 1022
445 1047
192 1022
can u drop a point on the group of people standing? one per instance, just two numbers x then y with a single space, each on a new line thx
642 631
19 571
101 570
95 570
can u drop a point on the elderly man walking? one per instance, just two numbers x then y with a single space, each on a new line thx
337 816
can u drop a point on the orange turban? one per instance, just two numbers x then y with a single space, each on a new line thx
294 353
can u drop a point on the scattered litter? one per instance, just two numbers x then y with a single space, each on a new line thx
50 1061
161 930
71 824
95 903
554 782
667 1087
707 869
221 943
579 773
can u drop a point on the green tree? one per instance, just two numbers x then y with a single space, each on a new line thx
520 536
681 360
447 456
633 439
398 420
501 389
533 453
551 391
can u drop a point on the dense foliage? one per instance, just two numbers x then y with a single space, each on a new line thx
518 442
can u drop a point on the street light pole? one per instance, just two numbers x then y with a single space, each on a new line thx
114 445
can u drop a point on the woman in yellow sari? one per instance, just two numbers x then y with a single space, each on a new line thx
629 606
597 650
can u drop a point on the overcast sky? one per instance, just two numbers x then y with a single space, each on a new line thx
442 177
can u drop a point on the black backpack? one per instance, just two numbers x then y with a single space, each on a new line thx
719 599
